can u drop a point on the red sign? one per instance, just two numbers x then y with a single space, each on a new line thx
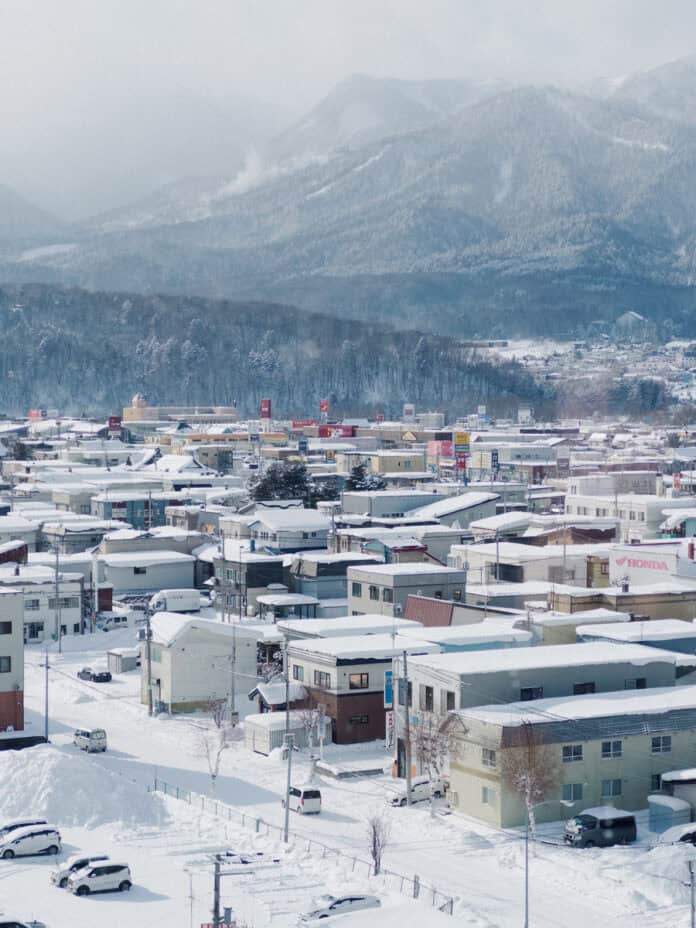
677 481
303 423
323 405
114 423
461 462
379 417
336 431
37 413
265 409
645 563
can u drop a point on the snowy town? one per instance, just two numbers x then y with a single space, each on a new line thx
266 672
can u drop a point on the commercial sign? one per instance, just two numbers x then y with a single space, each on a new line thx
389 729
379 417
336 431
642 563
265 409
114 423
323 405
388 689
461 442
37 413
303 423
461 461
303 446
409 412
495 464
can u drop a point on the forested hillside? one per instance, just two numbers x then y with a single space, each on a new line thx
84 351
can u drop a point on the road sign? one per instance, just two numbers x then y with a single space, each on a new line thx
390 730
388 689
303 446
494 459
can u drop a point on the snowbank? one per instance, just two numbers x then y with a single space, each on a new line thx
67 788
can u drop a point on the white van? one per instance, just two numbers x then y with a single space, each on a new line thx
105 878
305 800
92 740
37 839
114 620
19 823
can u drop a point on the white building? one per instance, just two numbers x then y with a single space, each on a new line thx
460 511
147 571
640 515
38 587
11 659
384 588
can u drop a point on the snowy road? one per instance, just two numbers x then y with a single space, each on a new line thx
480 867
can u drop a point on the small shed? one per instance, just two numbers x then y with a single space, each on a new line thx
666 812
263 733
121 660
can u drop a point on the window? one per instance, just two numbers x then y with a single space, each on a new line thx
359 719
571 792
655 782
446 701
611 749
32 605
662 744
76 628
298 672
387 595
438 594
358 681
65 602
528 693
5 628
35 630
322 679
572 753
404 696
356 588
140 570
427 698
488 796
488 758
457 596
611 788
374 593
580 688
5 664
635 683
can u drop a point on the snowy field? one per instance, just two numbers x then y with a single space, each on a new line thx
104 803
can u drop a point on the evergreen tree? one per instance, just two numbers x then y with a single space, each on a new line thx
362 479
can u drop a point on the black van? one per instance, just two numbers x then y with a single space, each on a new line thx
602 827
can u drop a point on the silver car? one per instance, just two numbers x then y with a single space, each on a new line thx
61 875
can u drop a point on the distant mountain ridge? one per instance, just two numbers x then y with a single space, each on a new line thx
531 209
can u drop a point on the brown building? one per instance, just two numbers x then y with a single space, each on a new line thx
346 676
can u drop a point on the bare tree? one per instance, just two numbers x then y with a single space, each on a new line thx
378 834
530 769
430 744
217 710
213 743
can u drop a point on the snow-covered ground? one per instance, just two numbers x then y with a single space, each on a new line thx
101 802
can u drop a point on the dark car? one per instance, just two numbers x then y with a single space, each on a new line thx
601 827
94 676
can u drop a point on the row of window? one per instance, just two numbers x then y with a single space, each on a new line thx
660 744
600 513
356 681
528 693
387 595
573 792
66 602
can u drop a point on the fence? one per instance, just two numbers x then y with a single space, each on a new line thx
406 885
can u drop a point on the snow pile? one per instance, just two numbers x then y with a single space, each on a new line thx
658 878
67 788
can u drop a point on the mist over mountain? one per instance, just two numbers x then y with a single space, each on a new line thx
442 205
23 221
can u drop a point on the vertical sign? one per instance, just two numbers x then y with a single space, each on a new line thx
114 423
389 729
495 464
388 689
265 409
323 406
461 442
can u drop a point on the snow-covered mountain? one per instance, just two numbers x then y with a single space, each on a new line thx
22 221
668 91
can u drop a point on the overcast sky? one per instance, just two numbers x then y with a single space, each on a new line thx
99 99
96 52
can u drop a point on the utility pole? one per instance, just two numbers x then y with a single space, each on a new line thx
526 874
407 732
497 555
693 894
58 612
289 748
148 650
46 696
286 674
216 892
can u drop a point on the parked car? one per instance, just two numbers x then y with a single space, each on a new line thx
422 789
305 800
60 876
113 621
600 827
106 878
7 921
94 676
25 842
679 834
326 906
20 823
91 740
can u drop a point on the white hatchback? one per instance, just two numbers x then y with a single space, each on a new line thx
62 874
326 906
108 877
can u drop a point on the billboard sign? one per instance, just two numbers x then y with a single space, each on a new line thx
323 406
461 442
265 409
390 730
114 423
409 412
303 446
303 423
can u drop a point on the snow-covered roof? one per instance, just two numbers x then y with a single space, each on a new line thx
15 523
362 647
557 655
342 626
490 630
655 630
453 504
679 776
407 569
144 558
596 617
168 626
274 694
286 599
303 519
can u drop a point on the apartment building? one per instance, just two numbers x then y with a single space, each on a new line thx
384 588
11 659
41 608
